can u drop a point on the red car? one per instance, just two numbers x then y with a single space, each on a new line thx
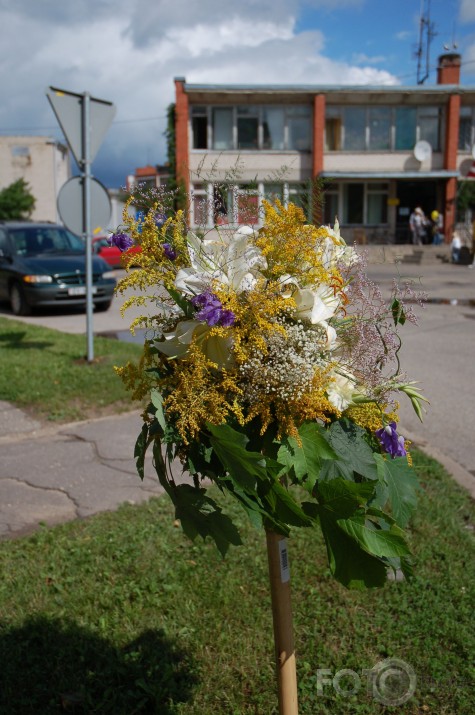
111 254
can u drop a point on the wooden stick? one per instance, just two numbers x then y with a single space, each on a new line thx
279 576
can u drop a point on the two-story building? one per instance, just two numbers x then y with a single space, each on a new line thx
45 165
378 151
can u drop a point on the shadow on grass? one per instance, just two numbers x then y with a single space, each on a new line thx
15 339
54 666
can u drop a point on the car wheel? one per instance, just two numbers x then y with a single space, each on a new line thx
102 307
18 301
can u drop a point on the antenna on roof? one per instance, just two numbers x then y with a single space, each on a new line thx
426 35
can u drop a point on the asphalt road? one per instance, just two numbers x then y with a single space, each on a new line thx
439 352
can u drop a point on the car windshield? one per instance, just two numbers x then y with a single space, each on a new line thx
34 240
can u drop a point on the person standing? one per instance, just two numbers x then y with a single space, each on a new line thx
436 228
417 224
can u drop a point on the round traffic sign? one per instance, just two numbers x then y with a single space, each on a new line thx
70 205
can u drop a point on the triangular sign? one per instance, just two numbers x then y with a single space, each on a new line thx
68 108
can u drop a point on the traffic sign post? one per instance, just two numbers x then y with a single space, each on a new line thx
84 121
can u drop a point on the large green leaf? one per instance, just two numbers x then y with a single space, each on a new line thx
377 542
200 515
243 466
349 563
349 442
140 449
157 402
342 498
305 455
401 487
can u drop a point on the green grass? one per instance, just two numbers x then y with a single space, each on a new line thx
46 373
120 614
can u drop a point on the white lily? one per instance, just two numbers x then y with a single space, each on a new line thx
316 305
177 342
234 263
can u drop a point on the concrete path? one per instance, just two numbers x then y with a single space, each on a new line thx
59 473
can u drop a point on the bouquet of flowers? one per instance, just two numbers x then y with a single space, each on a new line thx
271 367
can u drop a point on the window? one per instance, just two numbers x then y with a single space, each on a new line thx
333 125
199 126
379 128
406 127
247 127
219 204
357 203
428 121
355 128
466 129
223 128
252 128
273 123
298 126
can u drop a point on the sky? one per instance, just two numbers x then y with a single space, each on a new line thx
129 51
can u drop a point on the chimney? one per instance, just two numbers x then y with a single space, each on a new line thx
448 69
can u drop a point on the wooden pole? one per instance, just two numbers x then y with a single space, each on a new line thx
279 575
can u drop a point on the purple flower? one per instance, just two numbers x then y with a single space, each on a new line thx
211 310
391 442
169 251
159 220
122 240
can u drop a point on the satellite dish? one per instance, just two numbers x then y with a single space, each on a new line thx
422 150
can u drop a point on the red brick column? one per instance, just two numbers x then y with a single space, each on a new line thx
181 134
319 103
450 162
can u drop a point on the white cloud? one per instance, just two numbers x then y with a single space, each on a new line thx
467 11
404 35
128 53
360 58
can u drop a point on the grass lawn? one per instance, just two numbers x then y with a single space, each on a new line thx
120 614
44 372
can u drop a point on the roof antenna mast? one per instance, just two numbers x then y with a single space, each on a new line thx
426 35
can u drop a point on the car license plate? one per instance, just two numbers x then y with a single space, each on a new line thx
80 290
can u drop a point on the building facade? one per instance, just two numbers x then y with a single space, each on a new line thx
43 163
376 152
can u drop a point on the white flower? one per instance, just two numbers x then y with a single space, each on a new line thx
336 251
341 389
316 305
177 342
234 263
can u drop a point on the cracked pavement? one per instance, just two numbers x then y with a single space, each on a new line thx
55 474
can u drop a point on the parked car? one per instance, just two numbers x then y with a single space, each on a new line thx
44 264
111 254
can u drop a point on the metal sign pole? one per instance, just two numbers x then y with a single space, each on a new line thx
87 221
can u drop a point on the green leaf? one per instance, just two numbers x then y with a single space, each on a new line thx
306 458
200 515
141 446
285 509
401 487
157 402
342 498
349 563
244 467
377 542
181 302
349 442
398 312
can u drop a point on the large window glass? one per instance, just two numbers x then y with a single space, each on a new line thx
223 128
333 126
379 128
355 128
466 129
428 120
406 127
199 127
247 128
299 129
330 207
376 204
273 123
353 203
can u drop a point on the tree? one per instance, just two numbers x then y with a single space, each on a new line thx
16 201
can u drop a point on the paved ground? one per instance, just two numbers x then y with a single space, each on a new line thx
59 473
